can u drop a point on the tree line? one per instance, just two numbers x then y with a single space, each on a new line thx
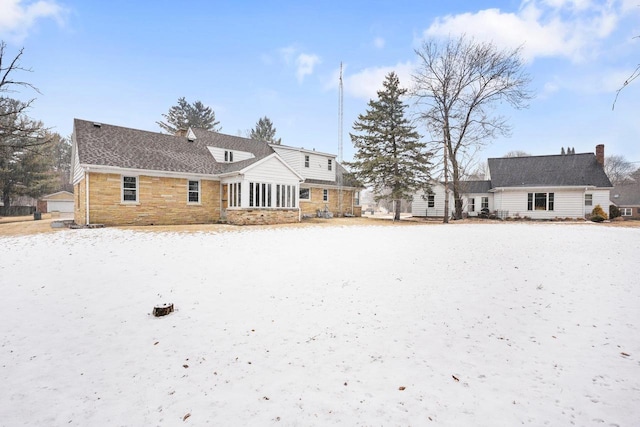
33 160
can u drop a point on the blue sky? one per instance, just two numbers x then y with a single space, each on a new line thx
127 62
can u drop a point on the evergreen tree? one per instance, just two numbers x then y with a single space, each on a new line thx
186 115
264 131
389 155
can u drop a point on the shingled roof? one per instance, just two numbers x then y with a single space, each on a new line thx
107 145
626 194
548 171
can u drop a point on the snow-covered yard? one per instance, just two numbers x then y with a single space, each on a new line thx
470 324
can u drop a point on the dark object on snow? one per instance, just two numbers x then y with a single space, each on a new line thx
484 213
162 310
37 216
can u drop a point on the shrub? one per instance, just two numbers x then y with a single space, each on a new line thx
597 218
598 211
614 212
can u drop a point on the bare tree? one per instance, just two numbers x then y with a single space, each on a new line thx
634 75
517 153
458 84
618 169
8 82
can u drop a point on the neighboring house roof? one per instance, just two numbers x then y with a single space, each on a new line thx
59 195
626 194
474 187
107 145
548 171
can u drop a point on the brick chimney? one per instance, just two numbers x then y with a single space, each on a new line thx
600 154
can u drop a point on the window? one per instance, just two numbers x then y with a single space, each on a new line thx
431 201
325 195
329 164
130 189
306 161
235 194
286 196
194 192
357 197
540 201
588 199
484 203
626 211
472 205
228 156
305 194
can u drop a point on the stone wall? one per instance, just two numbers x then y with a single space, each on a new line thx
262 216
310 207
161 201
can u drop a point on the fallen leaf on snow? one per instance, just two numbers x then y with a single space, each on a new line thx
186 416
401 388
455 378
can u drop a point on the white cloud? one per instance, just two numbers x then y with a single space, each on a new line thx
378 42
545 28
305 64
17 17
367 82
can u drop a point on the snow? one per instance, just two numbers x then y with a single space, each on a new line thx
482 324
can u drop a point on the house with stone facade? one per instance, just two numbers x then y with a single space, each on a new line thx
124 176
538 187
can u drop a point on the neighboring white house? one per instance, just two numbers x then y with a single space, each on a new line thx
61 201
538 187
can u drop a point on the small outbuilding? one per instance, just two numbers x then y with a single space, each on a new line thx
61 201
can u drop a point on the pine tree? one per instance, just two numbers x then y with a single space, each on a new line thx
186 115
389 155
264 131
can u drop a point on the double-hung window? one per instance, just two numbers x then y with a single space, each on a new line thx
484 203
431 201
626 211
325 195
329 165
130 189
306 161
588 199
472 204
194 192
228 156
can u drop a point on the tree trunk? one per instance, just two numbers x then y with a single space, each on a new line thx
397 206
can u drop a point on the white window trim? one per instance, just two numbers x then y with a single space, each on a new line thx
325 191
130 202
590 200
307 160
329 164
623 211
199 202
307 199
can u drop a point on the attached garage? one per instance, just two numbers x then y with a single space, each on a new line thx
62 201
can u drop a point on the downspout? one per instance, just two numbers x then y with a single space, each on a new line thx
86 191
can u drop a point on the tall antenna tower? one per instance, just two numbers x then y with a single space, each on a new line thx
340 119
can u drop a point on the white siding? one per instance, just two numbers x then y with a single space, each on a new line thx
77 172
291 157
60 205
600 197
318 163
568 203
218 154
419 206
272 170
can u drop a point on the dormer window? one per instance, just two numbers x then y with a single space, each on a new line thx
329 164
228 156
306 161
